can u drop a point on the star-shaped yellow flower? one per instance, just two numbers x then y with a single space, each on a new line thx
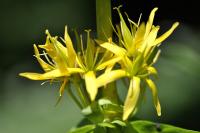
63 61
60 60
138 48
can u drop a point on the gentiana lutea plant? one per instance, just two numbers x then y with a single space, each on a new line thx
93 66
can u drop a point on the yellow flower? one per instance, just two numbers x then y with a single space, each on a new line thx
60 61
136 52
138 49
63 61
92 60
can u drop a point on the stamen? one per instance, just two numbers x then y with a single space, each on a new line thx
47 58
45 82
130 21
139 19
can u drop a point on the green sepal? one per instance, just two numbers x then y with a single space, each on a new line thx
150 127
83 129
106 125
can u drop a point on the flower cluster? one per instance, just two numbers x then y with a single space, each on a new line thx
95 64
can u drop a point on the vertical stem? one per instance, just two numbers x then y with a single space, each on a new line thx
81 95
104 31
74 98
103 19
110 92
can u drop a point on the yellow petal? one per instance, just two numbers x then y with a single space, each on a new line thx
44 65
139 39
114 49
139 35
91 86
56 51
109 62
128 64
152 70
70 48
155 57
75 70
153 88
48 75
150 40
166 34
132 97
80 62
61 57
126 34
150 21
110 77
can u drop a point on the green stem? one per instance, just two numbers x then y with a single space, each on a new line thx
110 92
81 95
103 19
104 31
74 98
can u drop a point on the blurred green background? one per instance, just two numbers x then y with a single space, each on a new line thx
28 107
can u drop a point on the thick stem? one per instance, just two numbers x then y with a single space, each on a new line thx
104 31
110 92
103 19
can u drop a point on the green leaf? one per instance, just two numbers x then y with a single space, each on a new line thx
119 122
99 129
130 129
84 129
87 110
149 127
106 124
104 102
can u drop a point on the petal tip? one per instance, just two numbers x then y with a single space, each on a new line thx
159 114
176 24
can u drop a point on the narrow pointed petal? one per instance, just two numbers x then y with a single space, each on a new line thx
150 40
150 21
114 49
156 57
61 57
127 64
139 35
70 48
45 66
48 75
110 77
62 88
109 62
132 97
152 70
91 86
126 34
166 34
79 62
139 39
153 89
